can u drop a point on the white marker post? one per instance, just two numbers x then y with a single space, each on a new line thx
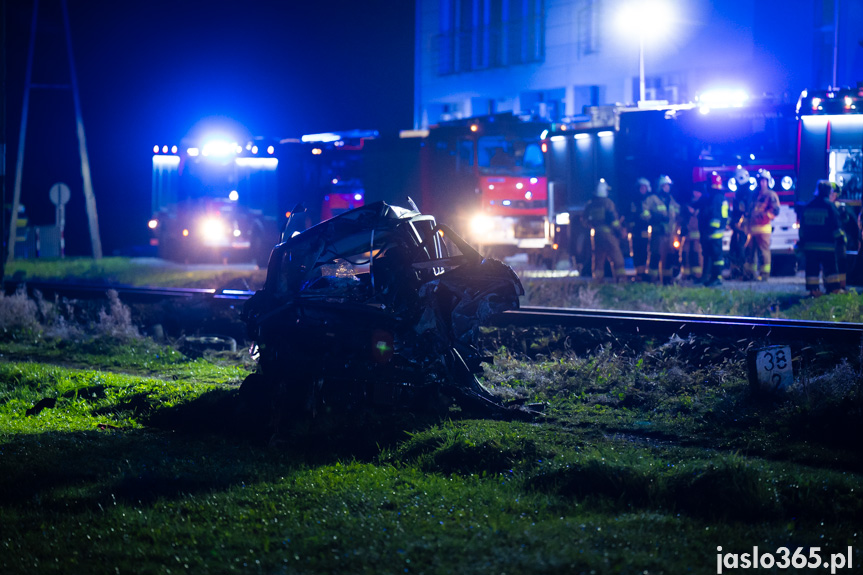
770 369
60 195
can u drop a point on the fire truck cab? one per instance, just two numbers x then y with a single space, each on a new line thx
216 201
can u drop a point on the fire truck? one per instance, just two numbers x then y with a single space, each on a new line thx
830 145
686 142
216 200
334 166
831 141
486 177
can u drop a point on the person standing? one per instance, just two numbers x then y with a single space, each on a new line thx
820 234
637 225
847 223
738 223
692 257
764 209
712 219
662 213
602 217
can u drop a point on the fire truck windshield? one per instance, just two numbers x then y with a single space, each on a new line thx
504 155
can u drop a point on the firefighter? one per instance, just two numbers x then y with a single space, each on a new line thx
601 215
662 213
737 221
637 227
712 218
848 225
763 210
692 258
821 234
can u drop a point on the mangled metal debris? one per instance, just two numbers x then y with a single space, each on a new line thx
381 306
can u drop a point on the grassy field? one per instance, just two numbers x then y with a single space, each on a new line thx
119 455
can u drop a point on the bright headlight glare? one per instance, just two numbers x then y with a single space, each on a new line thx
732 184
786 182
480 224
212 229
153 224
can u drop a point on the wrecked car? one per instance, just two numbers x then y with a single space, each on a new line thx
378 306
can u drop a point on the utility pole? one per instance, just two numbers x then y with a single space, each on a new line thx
89 198
3 41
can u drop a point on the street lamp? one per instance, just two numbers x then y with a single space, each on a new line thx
649 19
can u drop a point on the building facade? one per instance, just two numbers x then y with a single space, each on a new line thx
550 58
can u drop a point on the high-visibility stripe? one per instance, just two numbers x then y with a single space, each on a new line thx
813 247
834 278
764 229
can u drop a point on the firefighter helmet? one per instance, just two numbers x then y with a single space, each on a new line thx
825 187
741 174
643 182
602 188
663 179
764 175
715 181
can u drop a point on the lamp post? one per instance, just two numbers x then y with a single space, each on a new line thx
647 19
640 66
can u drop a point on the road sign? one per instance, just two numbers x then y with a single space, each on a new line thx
59 194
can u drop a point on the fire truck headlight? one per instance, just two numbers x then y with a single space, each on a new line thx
480 224
153 224
212 229
237 233
233 196
786 182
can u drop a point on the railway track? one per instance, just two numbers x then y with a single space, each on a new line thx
655 324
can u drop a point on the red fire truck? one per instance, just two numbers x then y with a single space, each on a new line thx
486 177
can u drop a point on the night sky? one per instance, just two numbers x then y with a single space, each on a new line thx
150 71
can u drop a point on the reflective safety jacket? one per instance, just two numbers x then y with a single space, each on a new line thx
712 214
635 222
661 213
820 226
764 208
689 222
602 216
740 208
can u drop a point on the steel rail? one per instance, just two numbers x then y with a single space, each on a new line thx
667 324
616 321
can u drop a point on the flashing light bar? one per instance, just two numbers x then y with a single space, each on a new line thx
557 138
324 137
722 98
166 161
413 133
581 136
269 163
219 148
605 133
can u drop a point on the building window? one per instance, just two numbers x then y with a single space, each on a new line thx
479 34
446 40
588 27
